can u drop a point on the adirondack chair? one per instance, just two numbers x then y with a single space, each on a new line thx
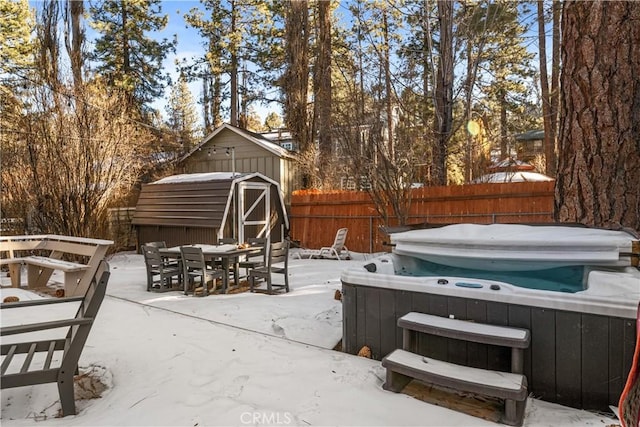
24 371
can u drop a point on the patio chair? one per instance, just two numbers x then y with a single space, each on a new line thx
233 262
336 251
196 270
160 271
278 253
258 257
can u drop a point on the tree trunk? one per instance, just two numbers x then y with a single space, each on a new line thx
322 81
388 87
599 144
549 133
554 96
296 76
234 69
505 151
73 16
443 93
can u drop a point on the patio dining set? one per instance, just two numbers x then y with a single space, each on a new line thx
196 269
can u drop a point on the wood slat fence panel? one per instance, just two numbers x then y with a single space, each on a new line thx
316 216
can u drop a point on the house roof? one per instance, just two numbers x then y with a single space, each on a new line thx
255 138
522 176
510 164
532 135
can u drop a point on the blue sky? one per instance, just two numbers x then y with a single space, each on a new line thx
190 46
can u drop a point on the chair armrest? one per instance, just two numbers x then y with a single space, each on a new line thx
41 326
33 303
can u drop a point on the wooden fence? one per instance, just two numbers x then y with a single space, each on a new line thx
315 216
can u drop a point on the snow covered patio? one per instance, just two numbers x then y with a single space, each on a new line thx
236 359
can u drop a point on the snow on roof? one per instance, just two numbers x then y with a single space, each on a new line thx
512 177
198 177
512 164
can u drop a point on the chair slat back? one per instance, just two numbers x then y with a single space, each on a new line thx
279 252
192 258
340 240
260 245
152 256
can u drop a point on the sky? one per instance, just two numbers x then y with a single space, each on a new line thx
190 46
237 359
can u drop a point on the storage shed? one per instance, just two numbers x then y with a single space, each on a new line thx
204 207
231 149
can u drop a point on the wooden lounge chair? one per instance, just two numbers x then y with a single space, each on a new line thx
30 370
337 250
278 253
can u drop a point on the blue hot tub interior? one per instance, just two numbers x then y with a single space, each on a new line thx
568 279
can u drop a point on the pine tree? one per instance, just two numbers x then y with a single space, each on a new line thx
509 68
236 34
16 43
322 86
599 151
273 121
182 114
125 52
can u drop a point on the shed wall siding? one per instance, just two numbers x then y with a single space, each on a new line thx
249 158
193 211
575 359
176 236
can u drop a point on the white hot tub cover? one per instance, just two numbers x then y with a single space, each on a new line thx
514 247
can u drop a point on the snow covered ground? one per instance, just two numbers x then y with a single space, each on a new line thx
237 359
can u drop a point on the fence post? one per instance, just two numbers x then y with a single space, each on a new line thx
370 234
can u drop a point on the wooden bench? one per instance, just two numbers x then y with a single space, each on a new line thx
402 365
21 249
31 369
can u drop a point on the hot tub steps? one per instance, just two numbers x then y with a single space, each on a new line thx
403 365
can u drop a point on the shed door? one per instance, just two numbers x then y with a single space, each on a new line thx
254 210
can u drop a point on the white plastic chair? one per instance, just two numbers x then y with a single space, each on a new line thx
336 251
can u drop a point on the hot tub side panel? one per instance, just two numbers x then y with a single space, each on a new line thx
575 359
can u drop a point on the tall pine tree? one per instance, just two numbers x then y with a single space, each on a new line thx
126 53
182 114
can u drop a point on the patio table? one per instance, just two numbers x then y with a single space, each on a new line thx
224 252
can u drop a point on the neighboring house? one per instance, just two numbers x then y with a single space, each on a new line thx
231 149
529 145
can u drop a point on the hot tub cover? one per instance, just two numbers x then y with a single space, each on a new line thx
514 247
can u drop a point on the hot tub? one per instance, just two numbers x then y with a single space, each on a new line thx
582 341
